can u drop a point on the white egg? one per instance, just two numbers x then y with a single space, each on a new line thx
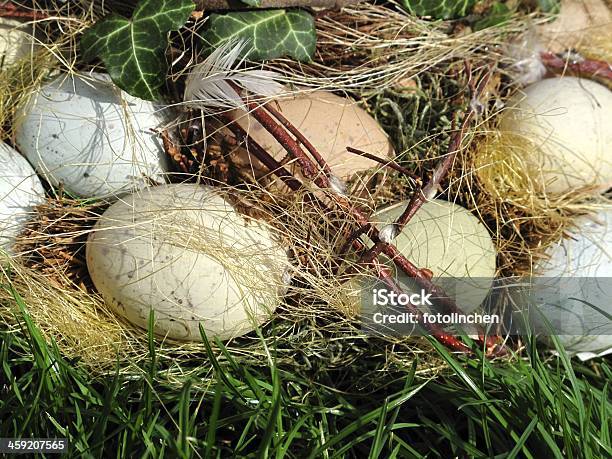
92 137
20 192
575 286
566 123
183 252
15 41
451 242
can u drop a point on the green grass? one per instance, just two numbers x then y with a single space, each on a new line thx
529 407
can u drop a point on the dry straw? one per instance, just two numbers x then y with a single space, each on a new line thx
361 48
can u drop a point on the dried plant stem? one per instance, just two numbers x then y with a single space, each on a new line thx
592 68
382 271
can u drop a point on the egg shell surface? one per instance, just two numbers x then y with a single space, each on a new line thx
183 252
567 124
451 242
20 191
330 123
577 276
92 137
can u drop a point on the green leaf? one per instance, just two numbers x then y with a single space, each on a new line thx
498 14
550 6
254 3
133 51
439 9
270 33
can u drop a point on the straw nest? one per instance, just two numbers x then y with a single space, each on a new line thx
409 74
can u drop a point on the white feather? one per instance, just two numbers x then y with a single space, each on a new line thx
388 232
527 66
209 84
337 185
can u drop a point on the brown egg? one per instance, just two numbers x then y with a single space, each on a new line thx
330 123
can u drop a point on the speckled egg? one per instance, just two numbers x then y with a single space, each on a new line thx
184 253
452 243
574 287
93 138
20 191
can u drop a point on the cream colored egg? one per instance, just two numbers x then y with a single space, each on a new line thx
330 123
16 41
566 125
452 243
574 287
183 252
93 138
20 192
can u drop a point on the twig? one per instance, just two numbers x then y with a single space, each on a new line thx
10 10
277 169
300 137
290 144
262 155
385 162
441 171
592 68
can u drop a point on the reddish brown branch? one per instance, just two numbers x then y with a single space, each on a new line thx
591 68
276 168
441 171
300 137
10 10
385 162
289 143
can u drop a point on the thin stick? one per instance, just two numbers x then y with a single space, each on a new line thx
385 162
290 144
10 10
301 138
441 171
277 169
593 68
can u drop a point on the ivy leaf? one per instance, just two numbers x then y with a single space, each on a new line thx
269 33
133 51
253 3
439 9
498 14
